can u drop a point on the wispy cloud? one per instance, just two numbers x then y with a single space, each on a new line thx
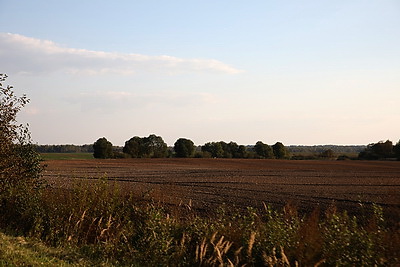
21 54
115 101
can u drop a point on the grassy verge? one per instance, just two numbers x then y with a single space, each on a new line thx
66 156
101 224
19 251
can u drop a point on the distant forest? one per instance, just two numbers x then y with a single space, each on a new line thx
64 148
154 146
293 149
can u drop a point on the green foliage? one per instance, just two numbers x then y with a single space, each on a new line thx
264 151
64 149
224 150
134 147
152 146
396 150
317 149
102 149
155 146
233 150
280 151
20 251
214 148
184 148
349 243
380 150
20 168
106 225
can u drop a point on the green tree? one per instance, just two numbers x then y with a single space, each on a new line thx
184 148
378 150
396 150
18 159
102 149
233 150
280 151
263 150
383 149
155 146
134 147
152 146
241 152
20 164
214 148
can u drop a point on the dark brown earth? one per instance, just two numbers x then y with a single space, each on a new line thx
208 183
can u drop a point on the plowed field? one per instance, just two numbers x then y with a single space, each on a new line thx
207 183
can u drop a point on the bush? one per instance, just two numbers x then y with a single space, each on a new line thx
20 168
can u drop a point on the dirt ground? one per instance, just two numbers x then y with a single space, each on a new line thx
208 183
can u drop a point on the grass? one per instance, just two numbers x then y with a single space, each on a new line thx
20 251
66 156
95 223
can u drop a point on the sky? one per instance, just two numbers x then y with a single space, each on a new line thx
298 72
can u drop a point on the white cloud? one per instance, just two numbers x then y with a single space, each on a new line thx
116 101
21 54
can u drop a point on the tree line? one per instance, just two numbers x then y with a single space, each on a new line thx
381 150
154 146
64 148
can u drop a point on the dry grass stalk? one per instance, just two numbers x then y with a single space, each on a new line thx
274 261
221 248
251 243
237 254
201 251
219 252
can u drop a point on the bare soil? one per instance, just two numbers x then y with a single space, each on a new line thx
208 183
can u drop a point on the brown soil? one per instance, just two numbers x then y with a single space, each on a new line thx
208 183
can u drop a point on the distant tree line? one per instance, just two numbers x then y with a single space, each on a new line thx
325 152
154 146
64 148
318 149
381 150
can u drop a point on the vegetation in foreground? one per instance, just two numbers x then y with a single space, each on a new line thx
102 225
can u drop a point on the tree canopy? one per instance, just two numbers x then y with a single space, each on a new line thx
184 148
263 150
380 150
280 151
103 149
152 146
18 159
20 168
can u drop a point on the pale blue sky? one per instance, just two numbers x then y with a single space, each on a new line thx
299 72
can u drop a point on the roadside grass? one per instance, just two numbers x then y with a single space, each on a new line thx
66 156
20 251
95 223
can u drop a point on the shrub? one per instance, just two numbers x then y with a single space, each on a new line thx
20 166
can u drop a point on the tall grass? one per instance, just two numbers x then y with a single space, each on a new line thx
114 228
